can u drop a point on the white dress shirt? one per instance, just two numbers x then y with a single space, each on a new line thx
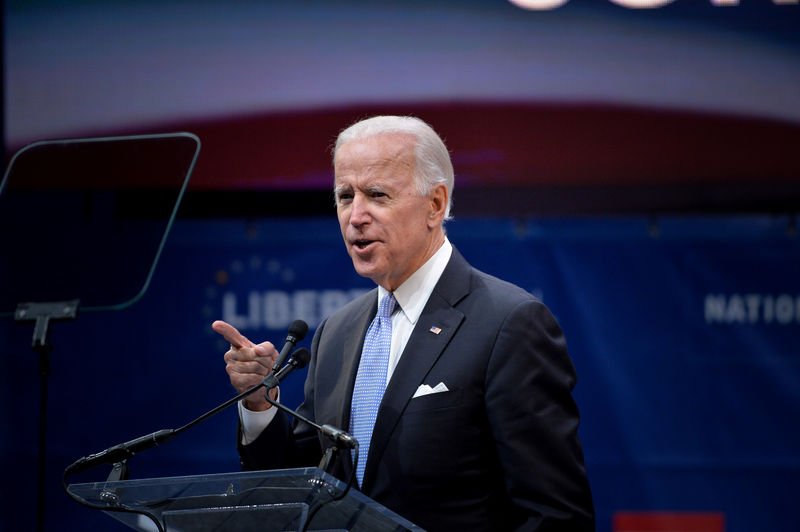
411 296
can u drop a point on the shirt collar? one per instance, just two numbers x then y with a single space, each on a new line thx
414 293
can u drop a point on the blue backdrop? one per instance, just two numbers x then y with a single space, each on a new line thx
683 330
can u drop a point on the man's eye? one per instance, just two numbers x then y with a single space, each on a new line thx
344 196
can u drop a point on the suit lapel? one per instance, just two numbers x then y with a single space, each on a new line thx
351 354
420 354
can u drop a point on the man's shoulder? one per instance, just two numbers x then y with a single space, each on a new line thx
500 290
487 284
462 280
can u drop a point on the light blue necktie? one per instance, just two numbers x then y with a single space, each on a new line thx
371 380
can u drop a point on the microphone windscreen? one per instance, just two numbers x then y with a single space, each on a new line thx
302 356
298 329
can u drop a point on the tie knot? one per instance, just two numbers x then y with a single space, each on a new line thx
386 306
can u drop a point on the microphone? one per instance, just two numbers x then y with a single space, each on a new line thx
123 451
299 360
338 435
297 331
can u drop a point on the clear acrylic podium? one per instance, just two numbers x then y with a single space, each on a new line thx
278 500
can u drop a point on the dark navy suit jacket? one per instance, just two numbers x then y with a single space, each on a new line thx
498 451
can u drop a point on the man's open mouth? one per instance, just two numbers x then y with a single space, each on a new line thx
361 244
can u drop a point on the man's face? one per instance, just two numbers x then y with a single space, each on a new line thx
388 228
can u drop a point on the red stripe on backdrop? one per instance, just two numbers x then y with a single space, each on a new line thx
502 145
669 522
508 144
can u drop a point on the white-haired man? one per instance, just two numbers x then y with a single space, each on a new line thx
471 425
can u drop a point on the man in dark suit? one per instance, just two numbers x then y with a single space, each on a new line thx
476 428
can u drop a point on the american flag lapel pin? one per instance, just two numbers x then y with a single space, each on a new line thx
435 330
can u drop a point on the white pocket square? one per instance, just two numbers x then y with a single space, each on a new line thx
424 389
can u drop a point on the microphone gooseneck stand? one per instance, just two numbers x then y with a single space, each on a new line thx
339 437
119 454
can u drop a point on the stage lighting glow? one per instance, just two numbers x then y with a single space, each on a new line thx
544 5
538 5
642 4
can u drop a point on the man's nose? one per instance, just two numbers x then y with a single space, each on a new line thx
359 211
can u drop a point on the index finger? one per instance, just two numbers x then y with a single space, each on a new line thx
230 334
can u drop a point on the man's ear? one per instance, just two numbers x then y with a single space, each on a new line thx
438 205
